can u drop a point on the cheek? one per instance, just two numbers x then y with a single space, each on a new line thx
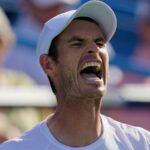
67 80
68 73
105 59
69 61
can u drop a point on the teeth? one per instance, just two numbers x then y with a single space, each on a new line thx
91 64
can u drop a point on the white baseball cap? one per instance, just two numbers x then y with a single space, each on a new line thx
94 9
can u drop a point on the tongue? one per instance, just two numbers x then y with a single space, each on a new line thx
89 76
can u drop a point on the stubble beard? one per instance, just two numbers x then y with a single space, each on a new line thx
72 90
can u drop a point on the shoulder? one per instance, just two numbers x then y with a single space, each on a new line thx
28 140
135 136
129 130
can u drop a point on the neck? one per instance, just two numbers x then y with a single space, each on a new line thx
77 123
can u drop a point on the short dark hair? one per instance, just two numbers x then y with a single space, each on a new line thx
53 51
86 19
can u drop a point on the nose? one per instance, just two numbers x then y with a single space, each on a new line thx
93 48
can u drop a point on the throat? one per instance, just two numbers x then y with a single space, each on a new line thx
75 128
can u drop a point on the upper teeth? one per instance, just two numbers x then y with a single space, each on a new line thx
91 64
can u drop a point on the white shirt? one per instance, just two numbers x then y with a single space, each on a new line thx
116 136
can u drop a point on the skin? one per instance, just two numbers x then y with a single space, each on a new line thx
77 121
45 13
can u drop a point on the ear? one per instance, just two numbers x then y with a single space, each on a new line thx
47 64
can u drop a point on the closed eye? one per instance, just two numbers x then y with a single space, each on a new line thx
100 44
78 44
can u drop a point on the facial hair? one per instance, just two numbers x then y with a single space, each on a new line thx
71 87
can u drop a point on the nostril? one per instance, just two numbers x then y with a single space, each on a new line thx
93 49
90 52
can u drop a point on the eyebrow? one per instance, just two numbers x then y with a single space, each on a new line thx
75 38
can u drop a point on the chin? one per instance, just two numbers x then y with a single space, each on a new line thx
93 94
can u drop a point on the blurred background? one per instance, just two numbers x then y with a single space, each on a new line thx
25 94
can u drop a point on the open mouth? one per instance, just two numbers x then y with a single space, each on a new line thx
92 70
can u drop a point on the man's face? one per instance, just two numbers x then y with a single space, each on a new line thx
81 71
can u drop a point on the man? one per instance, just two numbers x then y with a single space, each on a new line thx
72 52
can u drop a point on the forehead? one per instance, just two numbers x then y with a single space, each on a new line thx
83 28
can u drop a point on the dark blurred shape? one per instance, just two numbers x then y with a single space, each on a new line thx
2 138
11 8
